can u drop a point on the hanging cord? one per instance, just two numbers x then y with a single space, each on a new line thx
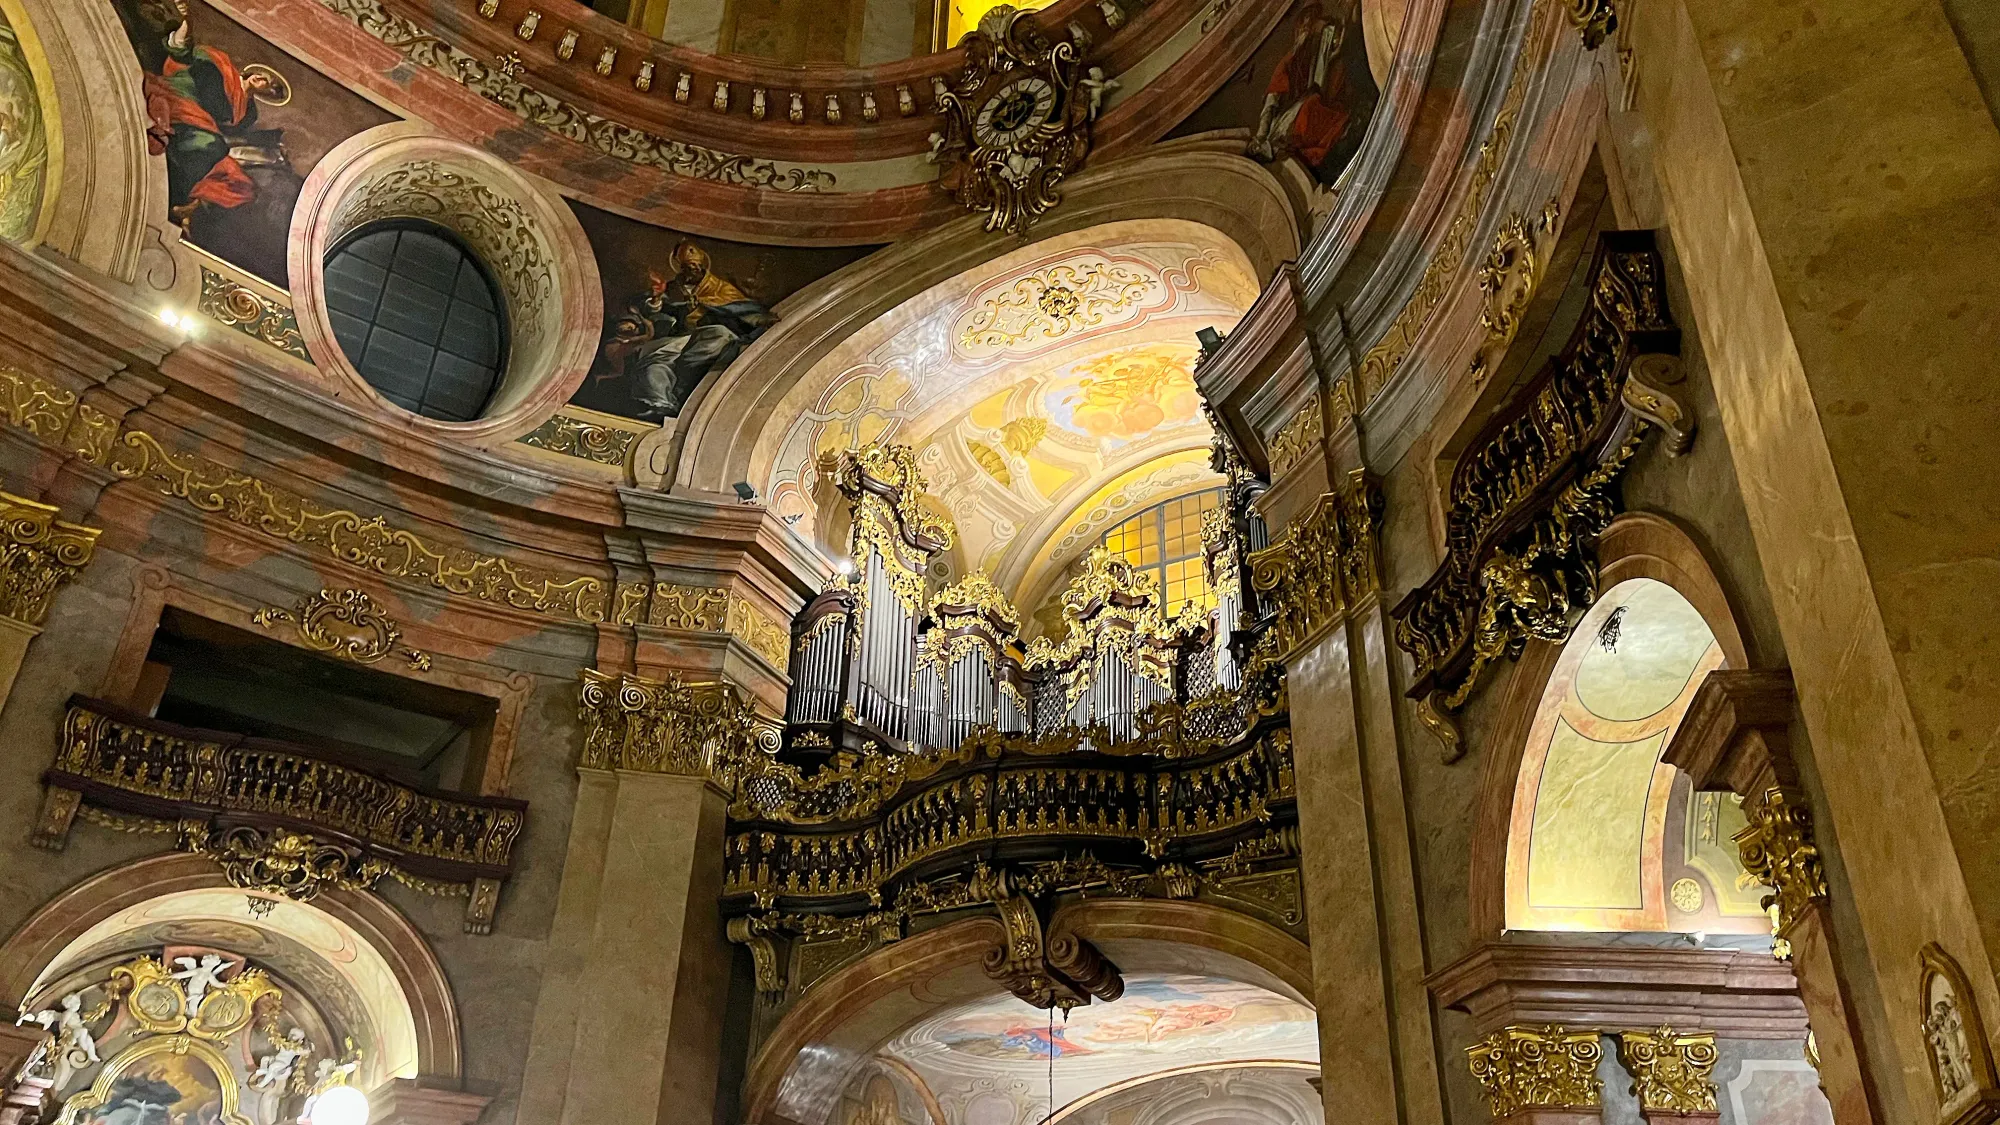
1050 1115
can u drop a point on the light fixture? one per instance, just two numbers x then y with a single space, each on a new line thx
745 492
174 318
847 566
337 1105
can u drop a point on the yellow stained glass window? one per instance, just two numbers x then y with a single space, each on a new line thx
962 16
1165 539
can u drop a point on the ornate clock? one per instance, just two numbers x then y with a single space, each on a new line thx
1016 121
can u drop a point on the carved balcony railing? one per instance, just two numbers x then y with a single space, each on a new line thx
1540 482
276 816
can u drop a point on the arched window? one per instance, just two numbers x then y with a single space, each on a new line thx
419 316
1165 539
1605 836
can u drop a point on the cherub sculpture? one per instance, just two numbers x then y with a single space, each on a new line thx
198 977
273 1069
69 1046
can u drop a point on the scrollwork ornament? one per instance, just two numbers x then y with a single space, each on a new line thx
235 305
1537 1066
346 625
1777 850
1594 20
1670 1069
1015 123
279 861
588 441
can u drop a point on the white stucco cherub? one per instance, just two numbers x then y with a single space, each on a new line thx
1097 88
273 1069
69 1047
197 977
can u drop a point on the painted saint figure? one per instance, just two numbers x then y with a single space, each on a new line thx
1319 98
683 328
230 184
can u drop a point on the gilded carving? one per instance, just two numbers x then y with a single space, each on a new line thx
1961 1061
1382 360
279 861
574 437
500 229
1053 302
1537 1066
370 543
695 609
346 625
1299 437
1016 122
299 803
1537 486
1507 281
1778 851
546 111
1670 1069
39 554
1594 20
758 631
237 306
666 726
171 1002
1324 561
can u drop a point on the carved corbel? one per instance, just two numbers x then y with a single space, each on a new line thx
1063 973
1594 20
1646 383
754 934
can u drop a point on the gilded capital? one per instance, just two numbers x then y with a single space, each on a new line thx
666 726
38 555
1778 851
1537 1066
1323 563
1670 1069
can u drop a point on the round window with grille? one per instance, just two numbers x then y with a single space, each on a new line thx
419 316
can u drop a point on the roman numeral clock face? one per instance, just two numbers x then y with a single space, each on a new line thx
1014 112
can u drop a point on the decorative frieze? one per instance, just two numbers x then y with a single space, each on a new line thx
1670 1070
1299 436
588 441
231 303
1527 1067
39 554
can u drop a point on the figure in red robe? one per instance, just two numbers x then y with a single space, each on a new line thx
1316 104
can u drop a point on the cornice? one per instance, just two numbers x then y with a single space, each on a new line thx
756 180
1732 992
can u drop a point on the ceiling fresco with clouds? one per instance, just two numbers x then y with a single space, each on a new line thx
1052 380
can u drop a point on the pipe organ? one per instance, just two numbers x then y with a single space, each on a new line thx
885 658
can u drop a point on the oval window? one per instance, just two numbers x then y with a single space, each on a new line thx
419 316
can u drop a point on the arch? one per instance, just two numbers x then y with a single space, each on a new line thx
102 185
1635 545
1204 181
43 939
1136 934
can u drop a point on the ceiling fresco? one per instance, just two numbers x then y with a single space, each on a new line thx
1606 836
1035 388
994 1061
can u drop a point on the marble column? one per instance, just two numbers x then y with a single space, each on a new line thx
1827 172
1376 1043
626 1027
